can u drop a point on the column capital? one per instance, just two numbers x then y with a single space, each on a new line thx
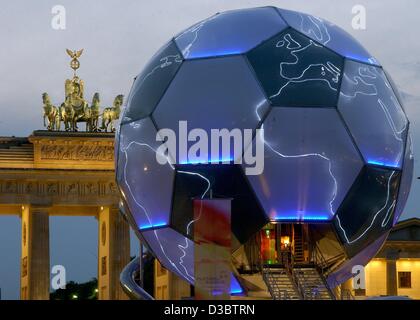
37 208
392 254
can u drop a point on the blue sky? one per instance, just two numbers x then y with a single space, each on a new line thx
119 37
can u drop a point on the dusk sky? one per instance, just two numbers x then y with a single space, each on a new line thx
118 38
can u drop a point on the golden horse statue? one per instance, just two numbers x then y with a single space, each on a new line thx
111 114
51 113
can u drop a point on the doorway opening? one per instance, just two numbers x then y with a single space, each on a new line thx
284 242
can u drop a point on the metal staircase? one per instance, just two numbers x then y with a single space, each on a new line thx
294 277
280 284
299 281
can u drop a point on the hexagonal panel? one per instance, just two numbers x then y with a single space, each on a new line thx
368 210
310 164
152 82
406 179
212 94
328 34
231 32
296 71
373 114
144 183
174 251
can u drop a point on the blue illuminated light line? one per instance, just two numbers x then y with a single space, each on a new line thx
237 291
368 60
382 164
300 217
215 53
153 226
235 287
211 161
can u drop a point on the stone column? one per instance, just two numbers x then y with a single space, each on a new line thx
35 257
113 253
391 273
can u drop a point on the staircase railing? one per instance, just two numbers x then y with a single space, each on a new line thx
269 280
343 294
266 277
322 266
289 266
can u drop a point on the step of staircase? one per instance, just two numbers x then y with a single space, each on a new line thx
280 284
313 283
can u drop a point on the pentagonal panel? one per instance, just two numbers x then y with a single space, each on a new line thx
145 184
374 116
368 210
329 35
224 181
212 94
309 165
231 32
152 82
174 251
296 71
406 179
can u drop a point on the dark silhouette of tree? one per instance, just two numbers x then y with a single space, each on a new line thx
77 291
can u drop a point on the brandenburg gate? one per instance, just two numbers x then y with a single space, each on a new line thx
66 173
70 174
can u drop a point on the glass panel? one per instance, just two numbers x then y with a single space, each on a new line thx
152 82
212 94
295 71
145 184
361 258
231 32
174 251
373 114
225 181
395 89
406 179
310 164
368 210
329 35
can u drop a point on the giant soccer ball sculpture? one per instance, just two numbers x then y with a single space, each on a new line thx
337 150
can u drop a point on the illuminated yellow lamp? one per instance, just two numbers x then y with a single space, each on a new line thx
96 290
74 296
102 208
285 241
23 208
